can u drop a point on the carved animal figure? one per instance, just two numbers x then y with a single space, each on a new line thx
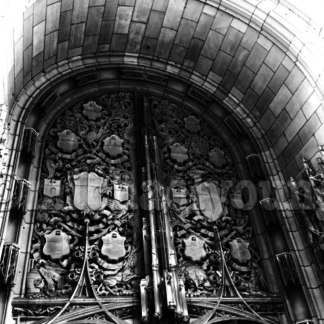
53 275
195 277
120 209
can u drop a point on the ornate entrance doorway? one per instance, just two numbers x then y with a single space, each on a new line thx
137 219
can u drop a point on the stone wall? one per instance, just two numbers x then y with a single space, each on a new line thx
243 54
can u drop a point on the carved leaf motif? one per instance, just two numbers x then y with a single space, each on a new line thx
198 145
51 167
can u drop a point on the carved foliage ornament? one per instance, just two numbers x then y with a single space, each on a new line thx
200 178
88 175
87 172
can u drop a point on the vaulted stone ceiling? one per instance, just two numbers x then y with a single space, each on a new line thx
229 57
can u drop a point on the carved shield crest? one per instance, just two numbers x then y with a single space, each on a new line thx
52 188
87 191
92 110
240 250
194 248
192 124
216 157
121 192
113 246
57 244
178 153
113 146
179 196
68 141
209 200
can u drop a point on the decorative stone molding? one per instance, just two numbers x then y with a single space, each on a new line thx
20 195
270 213
29 143
4 129
255 166
308 321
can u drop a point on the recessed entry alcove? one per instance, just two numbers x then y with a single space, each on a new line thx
159 163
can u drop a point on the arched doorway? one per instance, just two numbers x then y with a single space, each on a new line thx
65 77
152 192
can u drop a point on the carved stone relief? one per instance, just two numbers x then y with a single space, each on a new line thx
87 210
87 172
200 176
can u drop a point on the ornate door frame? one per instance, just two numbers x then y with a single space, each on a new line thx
70 148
